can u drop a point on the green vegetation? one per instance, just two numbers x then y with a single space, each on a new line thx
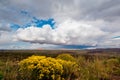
1 75
41 68
91 70
61 66
46 68
65 56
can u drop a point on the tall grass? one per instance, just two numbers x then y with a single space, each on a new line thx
9 70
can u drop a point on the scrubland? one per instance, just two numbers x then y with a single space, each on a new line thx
59 65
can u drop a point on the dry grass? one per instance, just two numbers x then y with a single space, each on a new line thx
91 67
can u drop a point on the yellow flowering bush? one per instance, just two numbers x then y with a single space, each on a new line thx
70 69
41 68
67 57
47 68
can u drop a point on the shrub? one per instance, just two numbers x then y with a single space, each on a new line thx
1 75
47 68
70 69
66 57
9 69
41 68
113 66
99 69
1 63
91 70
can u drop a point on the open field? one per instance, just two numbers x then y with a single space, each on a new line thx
9 60
21 54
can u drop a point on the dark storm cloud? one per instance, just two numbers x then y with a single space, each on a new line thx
10 15
4 27
99 9
92 9
10 10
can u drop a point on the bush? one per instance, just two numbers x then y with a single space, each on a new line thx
113 66
47 68
99 69
66 57
1 75
9 69
91 70
41 68
1 63
70 69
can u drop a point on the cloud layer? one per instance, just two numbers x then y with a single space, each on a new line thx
69 32
60 22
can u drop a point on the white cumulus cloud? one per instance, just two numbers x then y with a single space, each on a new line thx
68 32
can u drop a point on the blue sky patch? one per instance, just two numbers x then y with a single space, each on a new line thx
14 26
40 22
35 22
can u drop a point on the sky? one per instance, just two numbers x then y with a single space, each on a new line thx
59 24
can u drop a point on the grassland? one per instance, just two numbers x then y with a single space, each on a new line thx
86 59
